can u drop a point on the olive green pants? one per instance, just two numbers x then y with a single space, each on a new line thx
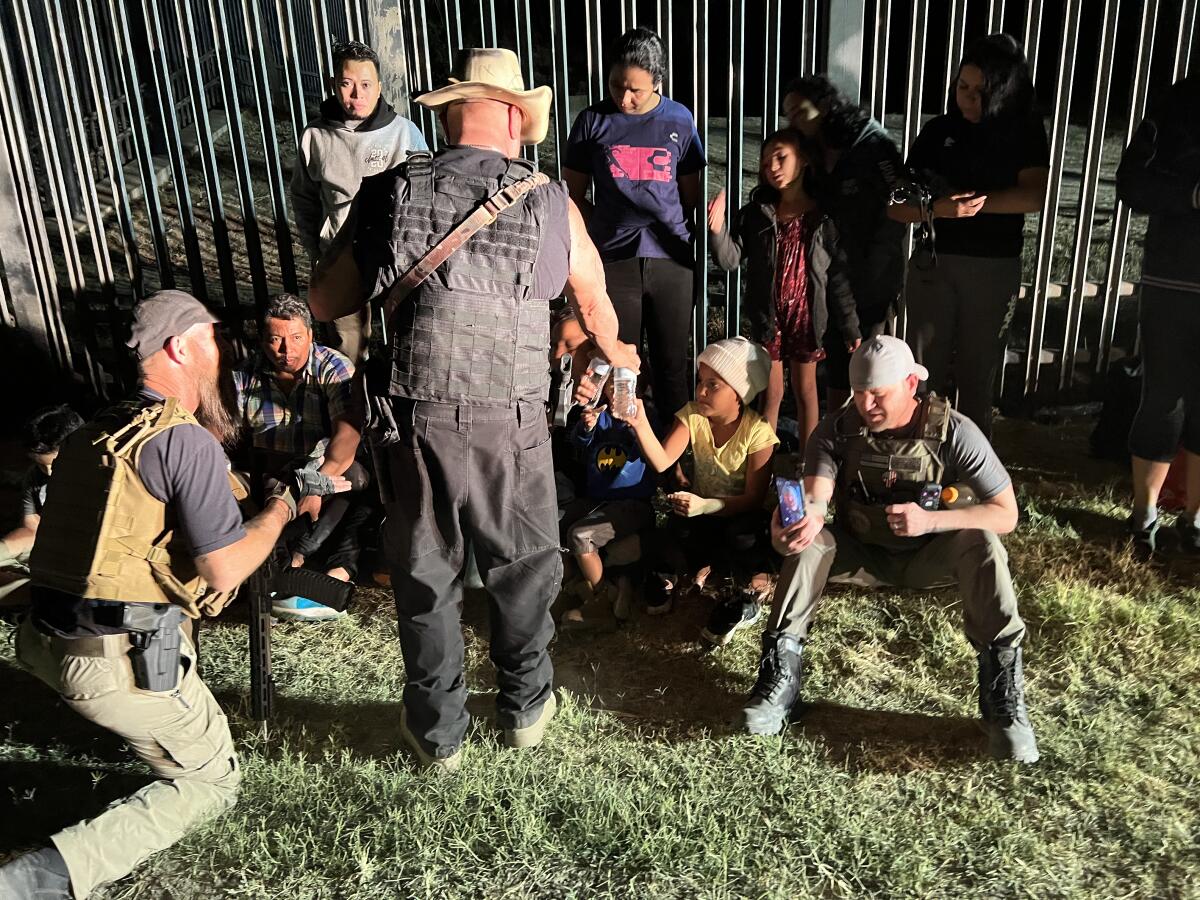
14 577
182 735
975 560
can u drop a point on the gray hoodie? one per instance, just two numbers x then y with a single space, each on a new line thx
332 161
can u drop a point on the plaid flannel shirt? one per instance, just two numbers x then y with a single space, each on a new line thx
299 423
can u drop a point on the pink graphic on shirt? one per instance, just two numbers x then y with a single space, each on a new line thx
640 163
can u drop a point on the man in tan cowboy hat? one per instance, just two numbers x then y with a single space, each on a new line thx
468 381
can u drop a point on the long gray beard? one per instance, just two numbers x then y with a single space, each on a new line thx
217 410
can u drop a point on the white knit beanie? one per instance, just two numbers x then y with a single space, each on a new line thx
744 365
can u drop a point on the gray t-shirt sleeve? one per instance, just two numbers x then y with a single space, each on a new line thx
554 253
820 457
33 492
970 459
186 468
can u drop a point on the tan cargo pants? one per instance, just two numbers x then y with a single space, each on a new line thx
973 560
182 735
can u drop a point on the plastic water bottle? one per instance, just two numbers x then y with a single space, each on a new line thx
624 403
597 374
956 496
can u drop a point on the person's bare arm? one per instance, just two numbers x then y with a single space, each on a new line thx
577 186
343 445
339 456
1027 197
336 287
665 454
996 514
228 567
588 296
758 475
20 540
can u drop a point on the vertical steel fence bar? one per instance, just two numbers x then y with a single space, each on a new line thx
165 99
1033 32
663 25
524 25
957 39
879 60
1045 255
1183 49
700 68
44 133
208 154
1089 180
427 72
918 31
809 39
237 143
272 154
79 158
289 54
1120 228
600 72
322 37
493 39
419 68
629 15
119 24
106 129
454 35
562 91
24 241
734 137
770 72
995 16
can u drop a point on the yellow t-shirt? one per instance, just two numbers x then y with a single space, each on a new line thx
721 471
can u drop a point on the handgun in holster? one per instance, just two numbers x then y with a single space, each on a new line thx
563 395
155 636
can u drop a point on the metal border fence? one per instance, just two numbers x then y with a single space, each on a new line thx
156 147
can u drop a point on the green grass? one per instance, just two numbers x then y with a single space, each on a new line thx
640 790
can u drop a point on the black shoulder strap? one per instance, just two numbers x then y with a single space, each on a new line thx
418 169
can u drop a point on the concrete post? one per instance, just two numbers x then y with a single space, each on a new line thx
844 50
385 25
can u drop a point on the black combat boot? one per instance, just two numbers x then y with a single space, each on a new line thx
778 686
1002 705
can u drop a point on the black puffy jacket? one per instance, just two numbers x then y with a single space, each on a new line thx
751 238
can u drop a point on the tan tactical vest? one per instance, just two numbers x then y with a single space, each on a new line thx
872 466
103 535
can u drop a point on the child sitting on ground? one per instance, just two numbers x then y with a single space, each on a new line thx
44 435
721 518
619 485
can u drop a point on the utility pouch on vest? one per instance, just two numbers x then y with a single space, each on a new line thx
154 633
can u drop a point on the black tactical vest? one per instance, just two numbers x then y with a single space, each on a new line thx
875 468
472 332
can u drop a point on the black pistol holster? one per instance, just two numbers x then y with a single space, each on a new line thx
154 633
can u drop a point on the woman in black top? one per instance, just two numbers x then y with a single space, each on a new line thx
855 169
985 162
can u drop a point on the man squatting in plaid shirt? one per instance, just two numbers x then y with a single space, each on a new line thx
295 400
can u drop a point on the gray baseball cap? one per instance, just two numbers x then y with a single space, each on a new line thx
883 360
163 315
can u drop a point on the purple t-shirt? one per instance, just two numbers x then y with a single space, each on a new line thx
635 163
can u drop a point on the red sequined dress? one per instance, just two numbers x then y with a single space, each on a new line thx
794 337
